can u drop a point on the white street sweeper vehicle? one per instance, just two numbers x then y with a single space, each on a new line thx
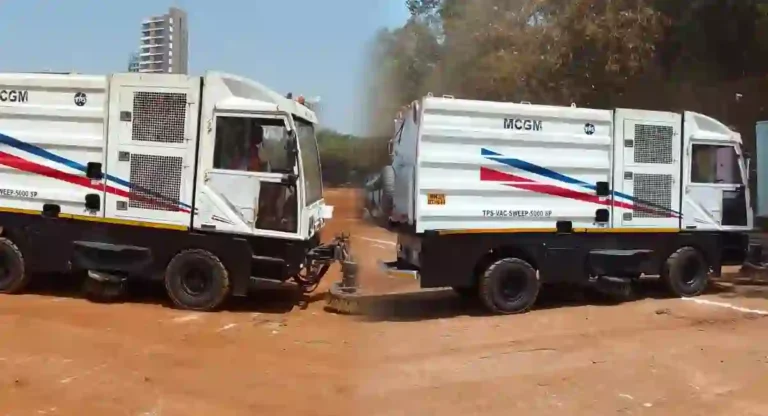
499 199
201 182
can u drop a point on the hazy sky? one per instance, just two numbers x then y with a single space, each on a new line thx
310 47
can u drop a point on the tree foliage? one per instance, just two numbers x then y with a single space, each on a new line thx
655 54
709 56
347 160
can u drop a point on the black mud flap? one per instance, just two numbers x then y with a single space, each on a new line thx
237 258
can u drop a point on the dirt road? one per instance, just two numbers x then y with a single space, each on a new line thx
426 353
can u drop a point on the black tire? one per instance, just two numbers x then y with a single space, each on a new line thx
13 277
197 280
509 286
387 190
465 292
686 273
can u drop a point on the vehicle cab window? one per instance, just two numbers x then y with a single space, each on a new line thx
715 164
259 146
251 145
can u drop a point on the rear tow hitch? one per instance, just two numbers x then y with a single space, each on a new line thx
343 295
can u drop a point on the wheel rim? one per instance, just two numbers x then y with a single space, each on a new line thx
196 281
692 270
512 287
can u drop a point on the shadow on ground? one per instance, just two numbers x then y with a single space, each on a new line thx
265 296
748 284
441 304
274 298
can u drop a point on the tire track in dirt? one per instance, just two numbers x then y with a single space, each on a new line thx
582 355
659 374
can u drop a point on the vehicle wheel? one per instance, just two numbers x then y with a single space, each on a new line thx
509 286
13 277
685 273
387 201
465 292
197 280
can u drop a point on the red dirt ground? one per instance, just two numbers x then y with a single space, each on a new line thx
425 353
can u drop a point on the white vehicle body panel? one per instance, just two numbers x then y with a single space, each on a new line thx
489 166
703 202
494 177
229 95
154 148
143 131
646 179
44 135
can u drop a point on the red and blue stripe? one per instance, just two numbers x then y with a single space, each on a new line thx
79 179
516 181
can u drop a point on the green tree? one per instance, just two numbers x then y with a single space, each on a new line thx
403 63
655 54
347 159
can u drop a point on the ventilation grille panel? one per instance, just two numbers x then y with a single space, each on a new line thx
155 182
653 144
159 117
653 195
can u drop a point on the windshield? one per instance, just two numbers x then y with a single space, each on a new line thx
310 161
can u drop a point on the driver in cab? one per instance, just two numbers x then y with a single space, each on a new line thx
249 157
